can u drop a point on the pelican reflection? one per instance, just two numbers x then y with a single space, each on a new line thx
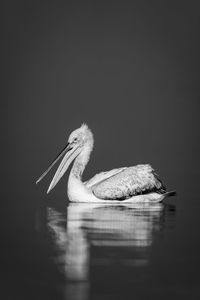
126 234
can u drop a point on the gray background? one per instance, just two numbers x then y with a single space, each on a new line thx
130 70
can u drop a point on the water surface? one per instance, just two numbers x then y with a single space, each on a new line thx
109 252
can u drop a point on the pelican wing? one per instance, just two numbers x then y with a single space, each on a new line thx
102 176
131 181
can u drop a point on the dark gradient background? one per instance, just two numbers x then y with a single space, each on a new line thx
130 70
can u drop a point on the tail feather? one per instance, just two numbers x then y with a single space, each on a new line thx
170 193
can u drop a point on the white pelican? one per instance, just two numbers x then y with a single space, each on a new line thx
129 184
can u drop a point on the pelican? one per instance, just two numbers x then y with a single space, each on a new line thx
133 184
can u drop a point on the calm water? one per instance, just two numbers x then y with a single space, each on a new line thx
81 251
106 251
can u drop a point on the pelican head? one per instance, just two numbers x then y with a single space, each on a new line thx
80 143
81 136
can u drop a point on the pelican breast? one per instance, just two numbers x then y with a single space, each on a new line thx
128 182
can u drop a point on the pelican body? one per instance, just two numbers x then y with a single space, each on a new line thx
128 184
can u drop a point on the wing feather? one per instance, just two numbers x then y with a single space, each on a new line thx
131 181
102 176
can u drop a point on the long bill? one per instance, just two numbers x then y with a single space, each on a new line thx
70 154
